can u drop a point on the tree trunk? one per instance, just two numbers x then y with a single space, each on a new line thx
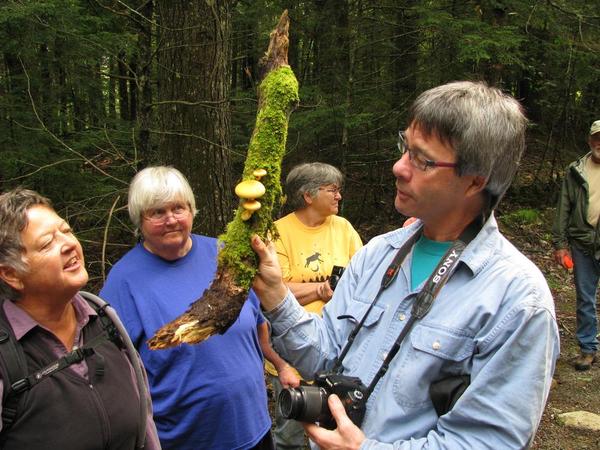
96 107
123 95
112 111
220 305
16 89
133 87
64 124
144 110
194 87
405 55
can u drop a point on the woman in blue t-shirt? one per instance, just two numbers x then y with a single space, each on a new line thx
206 396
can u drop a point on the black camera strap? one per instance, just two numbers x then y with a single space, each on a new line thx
386 280
424 300
423 303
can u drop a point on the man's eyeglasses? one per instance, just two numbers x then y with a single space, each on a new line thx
157 216
416 158
332 190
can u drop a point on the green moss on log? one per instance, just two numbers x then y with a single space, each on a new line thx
278 94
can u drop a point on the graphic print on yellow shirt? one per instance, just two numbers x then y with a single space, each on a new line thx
307 254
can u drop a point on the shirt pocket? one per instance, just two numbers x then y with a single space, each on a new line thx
354 313
432 353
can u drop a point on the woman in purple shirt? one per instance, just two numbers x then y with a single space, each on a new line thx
91 404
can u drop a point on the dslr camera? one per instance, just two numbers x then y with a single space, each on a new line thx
309 403
336 274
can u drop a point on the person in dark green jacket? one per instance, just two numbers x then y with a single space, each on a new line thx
576 239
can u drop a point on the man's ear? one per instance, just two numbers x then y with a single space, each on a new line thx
11 277
477 185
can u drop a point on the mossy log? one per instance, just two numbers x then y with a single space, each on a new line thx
222 302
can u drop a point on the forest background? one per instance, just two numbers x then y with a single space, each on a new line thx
91 91
94 90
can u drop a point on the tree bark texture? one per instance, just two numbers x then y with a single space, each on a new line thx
144 45
193 105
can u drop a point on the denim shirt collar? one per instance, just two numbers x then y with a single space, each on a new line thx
476 255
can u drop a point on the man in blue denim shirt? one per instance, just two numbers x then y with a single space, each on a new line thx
493 319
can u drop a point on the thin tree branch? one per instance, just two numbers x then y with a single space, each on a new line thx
39 169
55 137
105 238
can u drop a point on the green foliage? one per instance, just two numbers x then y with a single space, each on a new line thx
554 283
522 217
70 74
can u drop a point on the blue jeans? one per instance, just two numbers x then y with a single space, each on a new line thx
587 274
288 434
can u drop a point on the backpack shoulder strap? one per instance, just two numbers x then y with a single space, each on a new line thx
106 322
13 367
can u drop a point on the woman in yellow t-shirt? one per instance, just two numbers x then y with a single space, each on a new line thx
312 240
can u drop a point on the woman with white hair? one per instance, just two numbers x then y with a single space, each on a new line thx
206 396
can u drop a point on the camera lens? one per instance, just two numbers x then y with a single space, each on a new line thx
306 403
290 403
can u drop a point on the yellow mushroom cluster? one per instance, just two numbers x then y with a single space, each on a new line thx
249 191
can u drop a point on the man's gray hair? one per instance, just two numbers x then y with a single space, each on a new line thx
153 187
14 205
484 126
308 178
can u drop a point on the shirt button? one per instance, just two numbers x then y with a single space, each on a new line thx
402 317
384 355
436 345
